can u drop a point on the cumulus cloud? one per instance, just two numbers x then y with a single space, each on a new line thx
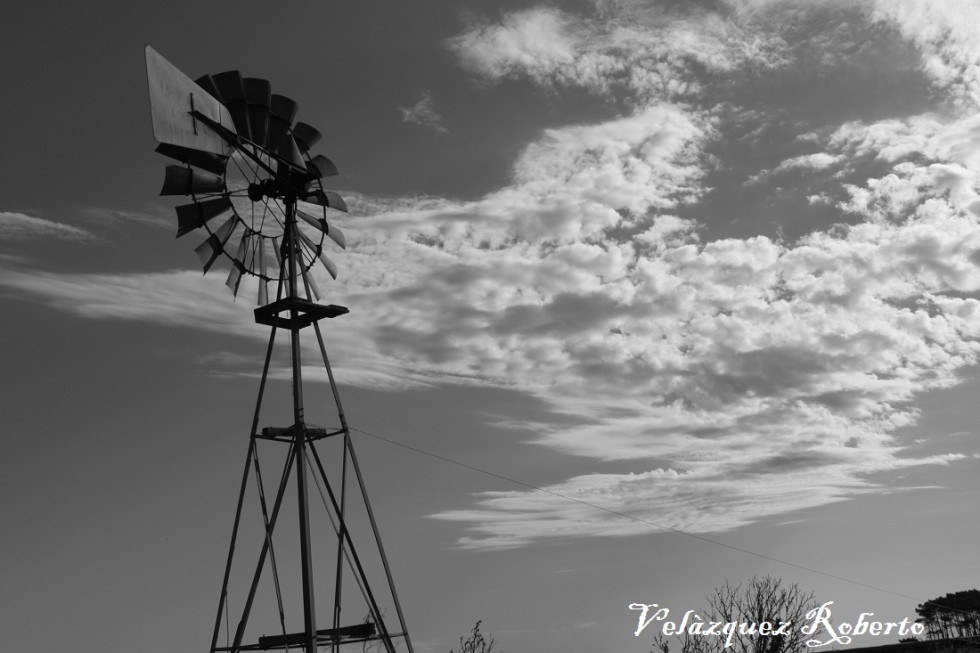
647 58
752 376
423 113
678 50
948 35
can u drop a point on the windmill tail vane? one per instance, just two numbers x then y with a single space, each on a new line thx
257 196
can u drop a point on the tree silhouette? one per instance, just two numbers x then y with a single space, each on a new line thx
476 642
755 601
956 614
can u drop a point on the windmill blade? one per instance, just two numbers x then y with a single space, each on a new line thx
238 268
276 249
282 112
311 283
329 199
207 83
173 95
232 88
181 180
263 275
321 166
280 272
252 241
315 250
193 216
306 136
197 158
336 235
288 153
258 94
211 249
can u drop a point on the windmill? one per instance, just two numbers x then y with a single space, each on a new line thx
257 197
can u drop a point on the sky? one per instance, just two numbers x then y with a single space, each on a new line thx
660 294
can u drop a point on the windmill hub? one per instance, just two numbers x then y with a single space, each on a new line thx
267 188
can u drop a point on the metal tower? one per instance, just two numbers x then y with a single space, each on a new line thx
244 161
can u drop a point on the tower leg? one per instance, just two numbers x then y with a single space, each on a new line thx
299 433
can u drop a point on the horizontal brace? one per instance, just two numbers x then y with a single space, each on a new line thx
365 632
305 311
324 434
275 438
288 433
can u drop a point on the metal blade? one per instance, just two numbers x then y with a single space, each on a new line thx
318 252
232 88
289 153
282 112
181 180
321 166
330 265
172 97
197 158
336 235
252 241
311 282
210 249
258 94
207 83
193 216
276 249
235 275
306 136
329 199
263 275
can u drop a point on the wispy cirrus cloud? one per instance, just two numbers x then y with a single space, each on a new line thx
20 226
423 113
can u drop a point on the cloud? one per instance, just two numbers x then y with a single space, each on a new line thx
750 376
159 218
643 51
553 47
423 114
805 162
671 50
708 499
948 36
20 226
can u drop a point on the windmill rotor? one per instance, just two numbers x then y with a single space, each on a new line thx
246 165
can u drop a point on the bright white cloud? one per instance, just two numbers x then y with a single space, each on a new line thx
648 58
948 35
655 50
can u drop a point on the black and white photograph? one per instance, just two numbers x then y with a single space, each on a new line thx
498 326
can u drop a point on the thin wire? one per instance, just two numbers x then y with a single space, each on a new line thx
634 517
